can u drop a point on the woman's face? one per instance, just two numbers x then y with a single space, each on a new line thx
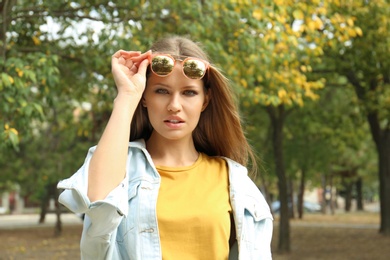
174 104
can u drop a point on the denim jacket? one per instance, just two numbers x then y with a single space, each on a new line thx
124 224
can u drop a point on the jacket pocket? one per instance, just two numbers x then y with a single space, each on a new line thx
255 209
254 226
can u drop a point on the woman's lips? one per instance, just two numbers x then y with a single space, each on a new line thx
174 122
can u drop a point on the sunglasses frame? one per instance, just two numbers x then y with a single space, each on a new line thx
183 61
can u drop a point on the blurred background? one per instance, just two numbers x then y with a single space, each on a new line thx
312 80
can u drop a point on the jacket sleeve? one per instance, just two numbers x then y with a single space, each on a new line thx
257 226
253 218
101 217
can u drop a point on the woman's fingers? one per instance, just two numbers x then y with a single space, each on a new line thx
129 70
131 58
141 57
129 54
143 67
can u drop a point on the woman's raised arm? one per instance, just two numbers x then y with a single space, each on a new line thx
108 163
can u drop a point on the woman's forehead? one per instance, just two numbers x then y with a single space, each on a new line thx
174 55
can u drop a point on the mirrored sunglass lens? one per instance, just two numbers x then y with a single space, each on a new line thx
162 65
194 69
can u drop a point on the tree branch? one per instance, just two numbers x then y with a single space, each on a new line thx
359 89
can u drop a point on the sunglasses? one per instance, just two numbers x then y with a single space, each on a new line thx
193 68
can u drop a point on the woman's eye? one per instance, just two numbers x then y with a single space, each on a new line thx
161 91
190 93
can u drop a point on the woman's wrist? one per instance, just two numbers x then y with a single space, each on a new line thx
127 99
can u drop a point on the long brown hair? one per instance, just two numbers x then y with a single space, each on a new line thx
219 131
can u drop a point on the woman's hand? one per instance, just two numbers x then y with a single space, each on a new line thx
129 71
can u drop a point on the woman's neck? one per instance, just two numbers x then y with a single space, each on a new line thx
172 153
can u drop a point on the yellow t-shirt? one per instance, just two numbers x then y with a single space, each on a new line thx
193 210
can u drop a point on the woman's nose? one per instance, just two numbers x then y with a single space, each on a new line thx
174 104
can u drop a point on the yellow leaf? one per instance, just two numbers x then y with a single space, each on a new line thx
298 14
257 14
310 94
351 32
280 47
312 25
321 10
299 101
244 83
319 23
279 2
36 40
281 19
358 31
11 79
6 126
14 131
20 72
350 22
282 93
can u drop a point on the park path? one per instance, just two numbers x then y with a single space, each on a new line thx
31 220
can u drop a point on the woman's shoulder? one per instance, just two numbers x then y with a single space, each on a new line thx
238 173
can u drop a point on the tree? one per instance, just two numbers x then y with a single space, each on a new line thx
23 74
283 40
365 62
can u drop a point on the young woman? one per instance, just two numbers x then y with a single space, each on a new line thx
178 189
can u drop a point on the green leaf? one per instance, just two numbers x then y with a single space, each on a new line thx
5 79
14 139
39 109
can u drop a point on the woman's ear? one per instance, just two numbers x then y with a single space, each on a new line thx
143 102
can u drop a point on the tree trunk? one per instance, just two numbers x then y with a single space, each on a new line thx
381 138
6 13
301 193
382 143
359 194
333 196
323 197
277 116
58 226
264 189
291 203
384 177
348 195
44 205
